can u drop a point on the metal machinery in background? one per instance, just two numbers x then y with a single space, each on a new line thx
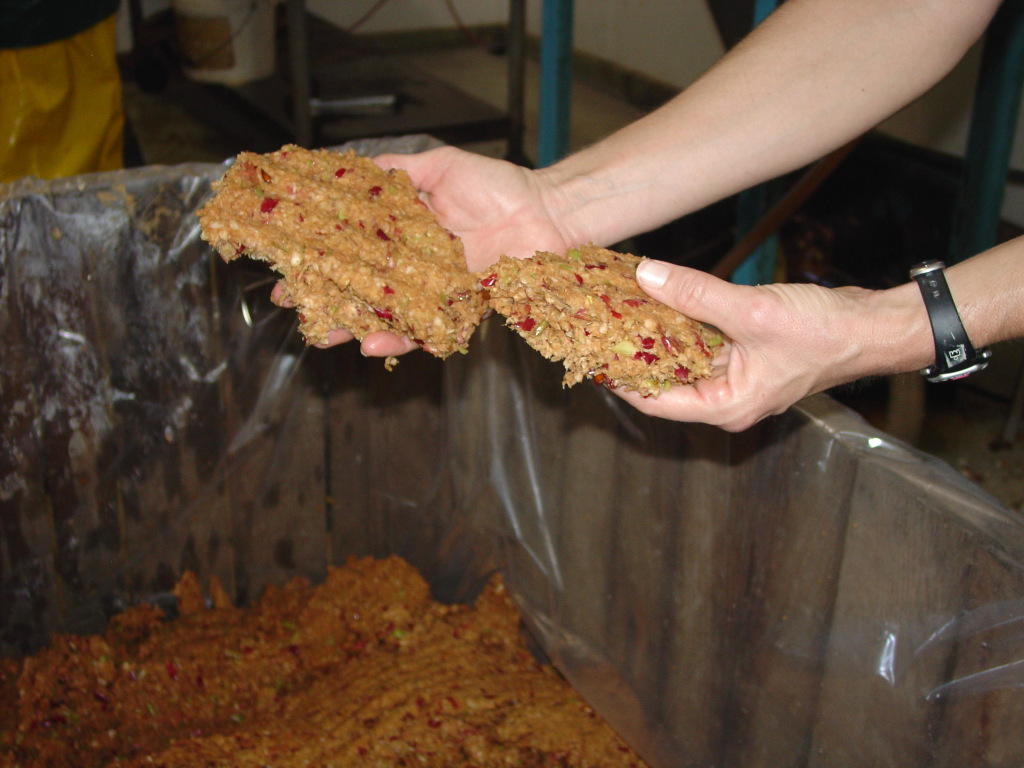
328 88
305 107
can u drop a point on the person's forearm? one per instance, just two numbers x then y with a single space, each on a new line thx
785 341
813 76
892 334
989 293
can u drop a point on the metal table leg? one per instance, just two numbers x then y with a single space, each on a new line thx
516 80
298 56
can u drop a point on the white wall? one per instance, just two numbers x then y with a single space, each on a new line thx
672 41
403 15
940 120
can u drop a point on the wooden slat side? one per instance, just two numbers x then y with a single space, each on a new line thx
585 523
799 512
705 586
899 581
980 708
350 483
28 596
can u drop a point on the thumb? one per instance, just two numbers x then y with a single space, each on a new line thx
424 168
694 293
391 160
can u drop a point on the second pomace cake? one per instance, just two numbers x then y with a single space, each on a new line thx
586 308
356 246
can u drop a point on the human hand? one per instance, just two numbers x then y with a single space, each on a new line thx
783 343
495 207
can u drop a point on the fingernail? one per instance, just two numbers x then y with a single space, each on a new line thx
652 274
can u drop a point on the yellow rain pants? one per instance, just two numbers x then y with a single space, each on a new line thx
60 107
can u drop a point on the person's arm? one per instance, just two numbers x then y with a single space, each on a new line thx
989 293
814 75
789 341
494 207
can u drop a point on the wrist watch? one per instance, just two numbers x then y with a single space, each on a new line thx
955 356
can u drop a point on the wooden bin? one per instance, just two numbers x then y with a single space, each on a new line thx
808 593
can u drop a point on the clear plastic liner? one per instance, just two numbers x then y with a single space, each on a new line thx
807 593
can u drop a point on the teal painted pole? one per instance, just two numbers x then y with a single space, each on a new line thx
990 140
759 267
555 81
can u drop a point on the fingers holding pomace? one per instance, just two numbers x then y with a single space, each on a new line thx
384 344
279 297
495 207
776 339
359 252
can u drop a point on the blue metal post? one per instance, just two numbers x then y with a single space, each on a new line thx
555 81
759 266
990 141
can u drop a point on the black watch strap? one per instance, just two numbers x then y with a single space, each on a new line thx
955 356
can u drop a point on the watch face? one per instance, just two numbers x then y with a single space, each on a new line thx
956 355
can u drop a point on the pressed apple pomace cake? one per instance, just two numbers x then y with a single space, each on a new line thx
585 308
356 246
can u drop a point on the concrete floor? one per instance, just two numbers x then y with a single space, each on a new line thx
167 134
964 434
959 427
482 75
